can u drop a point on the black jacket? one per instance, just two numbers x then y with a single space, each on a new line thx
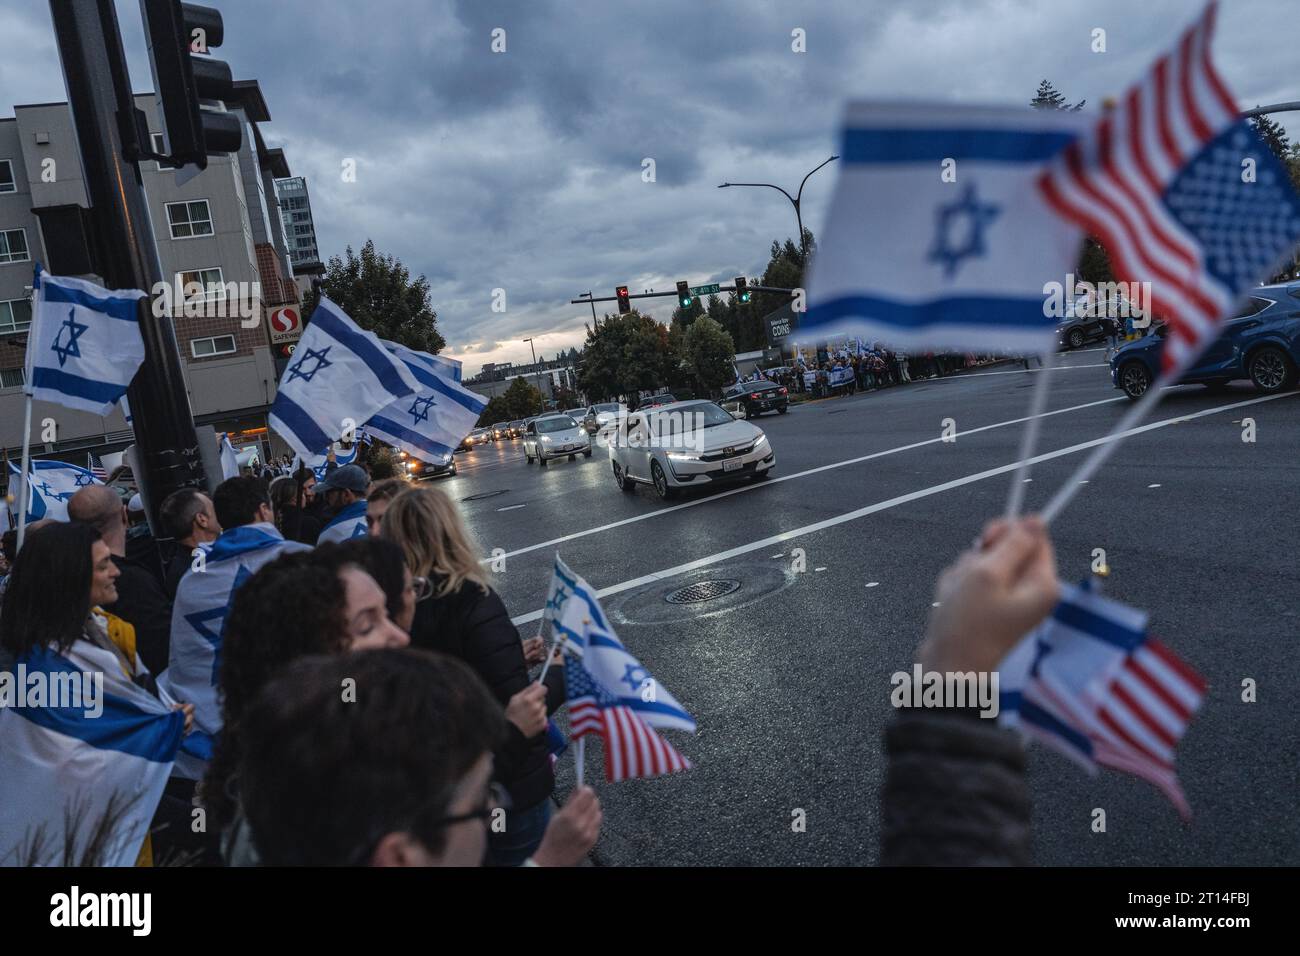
475 627
142 604
955 792
299 525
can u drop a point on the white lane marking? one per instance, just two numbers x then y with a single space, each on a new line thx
911 496
511 507
780 478
1014 371
1153 486
873 584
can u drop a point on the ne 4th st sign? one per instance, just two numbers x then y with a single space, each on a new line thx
706 289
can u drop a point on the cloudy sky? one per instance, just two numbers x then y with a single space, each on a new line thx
522 170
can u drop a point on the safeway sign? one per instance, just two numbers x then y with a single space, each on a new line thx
285 324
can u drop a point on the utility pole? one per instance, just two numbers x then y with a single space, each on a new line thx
104 118
796 201
537 373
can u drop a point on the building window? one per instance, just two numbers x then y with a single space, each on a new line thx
7 184
217 345
202 285
301 217
13 246
15 316
11 377
189 219
160 147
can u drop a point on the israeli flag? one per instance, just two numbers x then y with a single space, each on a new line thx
432 422
575 614
350 522
84 345
340 373
50 485
937 237
67 770
199 612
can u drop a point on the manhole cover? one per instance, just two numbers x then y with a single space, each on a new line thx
486 494
702 591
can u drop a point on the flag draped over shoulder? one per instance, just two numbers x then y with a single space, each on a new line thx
432 422
936 238
1181 192
101 773
610 693
84 344
1090 683
51 484
203 601
340 374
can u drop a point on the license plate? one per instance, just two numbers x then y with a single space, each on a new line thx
733 464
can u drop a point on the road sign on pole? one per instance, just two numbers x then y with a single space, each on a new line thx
706 289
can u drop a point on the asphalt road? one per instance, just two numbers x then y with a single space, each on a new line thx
788 677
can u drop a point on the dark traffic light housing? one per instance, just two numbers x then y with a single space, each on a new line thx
742 288
684 298
624 304
179 36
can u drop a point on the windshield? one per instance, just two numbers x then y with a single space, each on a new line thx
556 423
608 407
684 420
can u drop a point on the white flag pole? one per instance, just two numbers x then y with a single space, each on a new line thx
25 488
579 758
1029 437
550 655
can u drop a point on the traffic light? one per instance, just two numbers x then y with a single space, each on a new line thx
684 294
624 304
179 36
742 289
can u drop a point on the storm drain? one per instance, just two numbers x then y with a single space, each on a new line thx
486 494
702 591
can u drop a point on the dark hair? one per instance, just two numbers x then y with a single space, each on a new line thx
378 557
324 779
47 598
292 607
236 501
285 493
178 511
9 544
301 476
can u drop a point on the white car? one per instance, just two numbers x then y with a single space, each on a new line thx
555 436
603 415
686 445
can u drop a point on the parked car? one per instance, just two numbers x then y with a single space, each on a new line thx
751 399
555 436
602 415
1260 343
687 445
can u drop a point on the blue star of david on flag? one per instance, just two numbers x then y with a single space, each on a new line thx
322 362
959 231
216 616
74 329
419 410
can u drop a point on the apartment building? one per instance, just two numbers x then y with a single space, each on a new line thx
219 235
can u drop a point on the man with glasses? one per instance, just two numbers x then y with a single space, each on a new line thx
400 774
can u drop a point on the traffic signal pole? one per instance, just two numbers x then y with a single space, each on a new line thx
104 119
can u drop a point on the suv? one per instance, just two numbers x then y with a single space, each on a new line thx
1261 343
751 399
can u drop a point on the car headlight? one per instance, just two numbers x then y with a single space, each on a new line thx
546 438
761 443
682 456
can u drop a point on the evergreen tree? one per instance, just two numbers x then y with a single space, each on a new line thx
1049 98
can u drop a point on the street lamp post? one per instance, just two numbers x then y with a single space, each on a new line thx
795 201
537 372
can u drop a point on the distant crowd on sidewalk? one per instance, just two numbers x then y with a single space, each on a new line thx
875 367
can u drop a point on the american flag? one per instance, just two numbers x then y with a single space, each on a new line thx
632 747
96 467
1092 684
1161 181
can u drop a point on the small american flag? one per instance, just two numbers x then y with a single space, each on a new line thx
1162 181
632 747
1093 685
96 467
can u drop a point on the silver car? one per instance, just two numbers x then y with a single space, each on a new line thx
555 436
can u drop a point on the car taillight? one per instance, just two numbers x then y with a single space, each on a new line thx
755 396
784 392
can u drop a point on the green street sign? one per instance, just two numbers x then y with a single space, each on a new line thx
706 289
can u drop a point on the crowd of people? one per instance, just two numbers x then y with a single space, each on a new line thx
845 373
364 698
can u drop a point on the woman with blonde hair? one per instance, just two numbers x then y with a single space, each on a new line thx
464 617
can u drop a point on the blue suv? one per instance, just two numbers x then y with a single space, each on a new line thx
1261 343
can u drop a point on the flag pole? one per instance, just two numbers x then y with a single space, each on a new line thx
1097 457
25 486
550 655
1029 437
579 760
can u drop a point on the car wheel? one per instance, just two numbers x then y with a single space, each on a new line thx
623 481
1270 369
1134 379
587 453
1076 338
541 461
662 488
782 409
